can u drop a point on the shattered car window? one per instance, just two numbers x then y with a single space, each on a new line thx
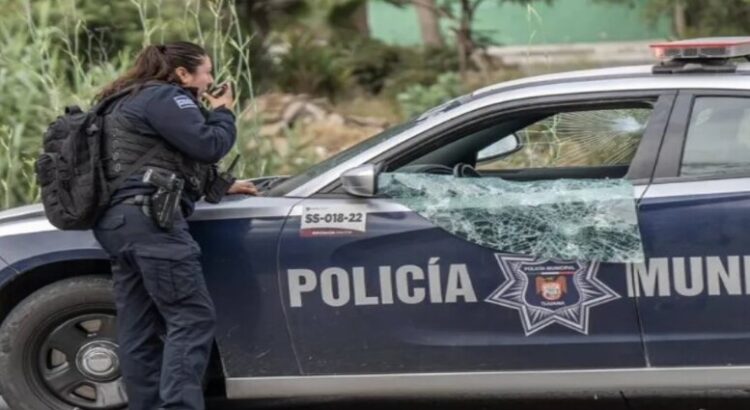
580 138
581 219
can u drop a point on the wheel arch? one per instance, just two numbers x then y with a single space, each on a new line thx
26 282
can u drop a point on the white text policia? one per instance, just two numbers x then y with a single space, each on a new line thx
409 284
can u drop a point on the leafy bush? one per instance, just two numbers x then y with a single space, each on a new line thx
438 59
404 79
311 68
378 68
418 98
372 62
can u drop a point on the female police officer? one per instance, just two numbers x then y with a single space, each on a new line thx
165 316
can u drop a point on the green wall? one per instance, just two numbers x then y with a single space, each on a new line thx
562 21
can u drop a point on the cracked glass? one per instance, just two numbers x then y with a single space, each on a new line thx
607 137
575 219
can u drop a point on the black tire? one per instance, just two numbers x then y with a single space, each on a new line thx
36 374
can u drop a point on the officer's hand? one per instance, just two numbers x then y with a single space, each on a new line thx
226 99
243 187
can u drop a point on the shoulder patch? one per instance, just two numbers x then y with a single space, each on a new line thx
184 101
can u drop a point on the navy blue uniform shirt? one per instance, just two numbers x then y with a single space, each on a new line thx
173 113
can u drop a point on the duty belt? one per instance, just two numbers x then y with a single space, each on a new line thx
137 200
142 201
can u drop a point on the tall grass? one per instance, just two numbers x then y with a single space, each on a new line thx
42 71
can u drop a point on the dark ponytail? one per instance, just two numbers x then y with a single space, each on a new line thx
158 63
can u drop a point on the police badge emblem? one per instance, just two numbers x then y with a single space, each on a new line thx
547 291
551 289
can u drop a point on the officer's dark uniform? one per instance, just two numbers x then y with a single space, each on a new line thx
165 316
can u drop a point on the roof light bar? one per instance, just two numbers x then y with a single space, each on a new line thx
719 48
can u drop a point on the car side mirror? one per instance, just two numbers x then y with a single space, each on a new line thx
361 181
504 146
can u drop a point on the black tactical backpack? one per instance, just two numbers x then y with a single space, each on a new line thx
69 170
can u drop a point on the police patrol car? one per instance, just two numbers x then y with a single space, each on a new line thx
327 286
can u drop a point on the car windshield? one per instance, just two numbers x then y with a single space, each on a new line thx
298 180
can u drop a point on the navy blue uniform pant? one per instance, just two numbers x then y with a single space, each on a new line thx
165 316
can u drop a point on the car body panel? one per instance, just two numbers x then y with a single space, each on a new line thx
238 240
694 230
609 73
484 384
34 243
382 331
3 265
698 256
239 260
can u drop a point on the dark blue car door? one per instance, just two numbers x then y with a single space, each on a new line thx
370 286
239 240
693 290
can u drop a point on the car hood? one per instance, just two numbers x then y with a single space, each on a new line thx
21 213
34 213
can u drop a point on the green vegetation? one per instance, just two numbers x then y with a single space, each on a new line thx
418 98
40 73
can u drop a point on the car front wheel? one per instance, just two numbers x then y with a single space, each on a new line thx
58 349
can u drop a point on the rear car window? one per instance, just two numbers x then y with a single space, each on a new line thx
718 137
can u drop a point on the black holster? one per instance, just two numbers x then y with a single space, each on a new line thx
165 202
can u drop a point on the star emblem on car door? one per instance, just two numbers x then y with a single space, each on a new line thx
548 290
